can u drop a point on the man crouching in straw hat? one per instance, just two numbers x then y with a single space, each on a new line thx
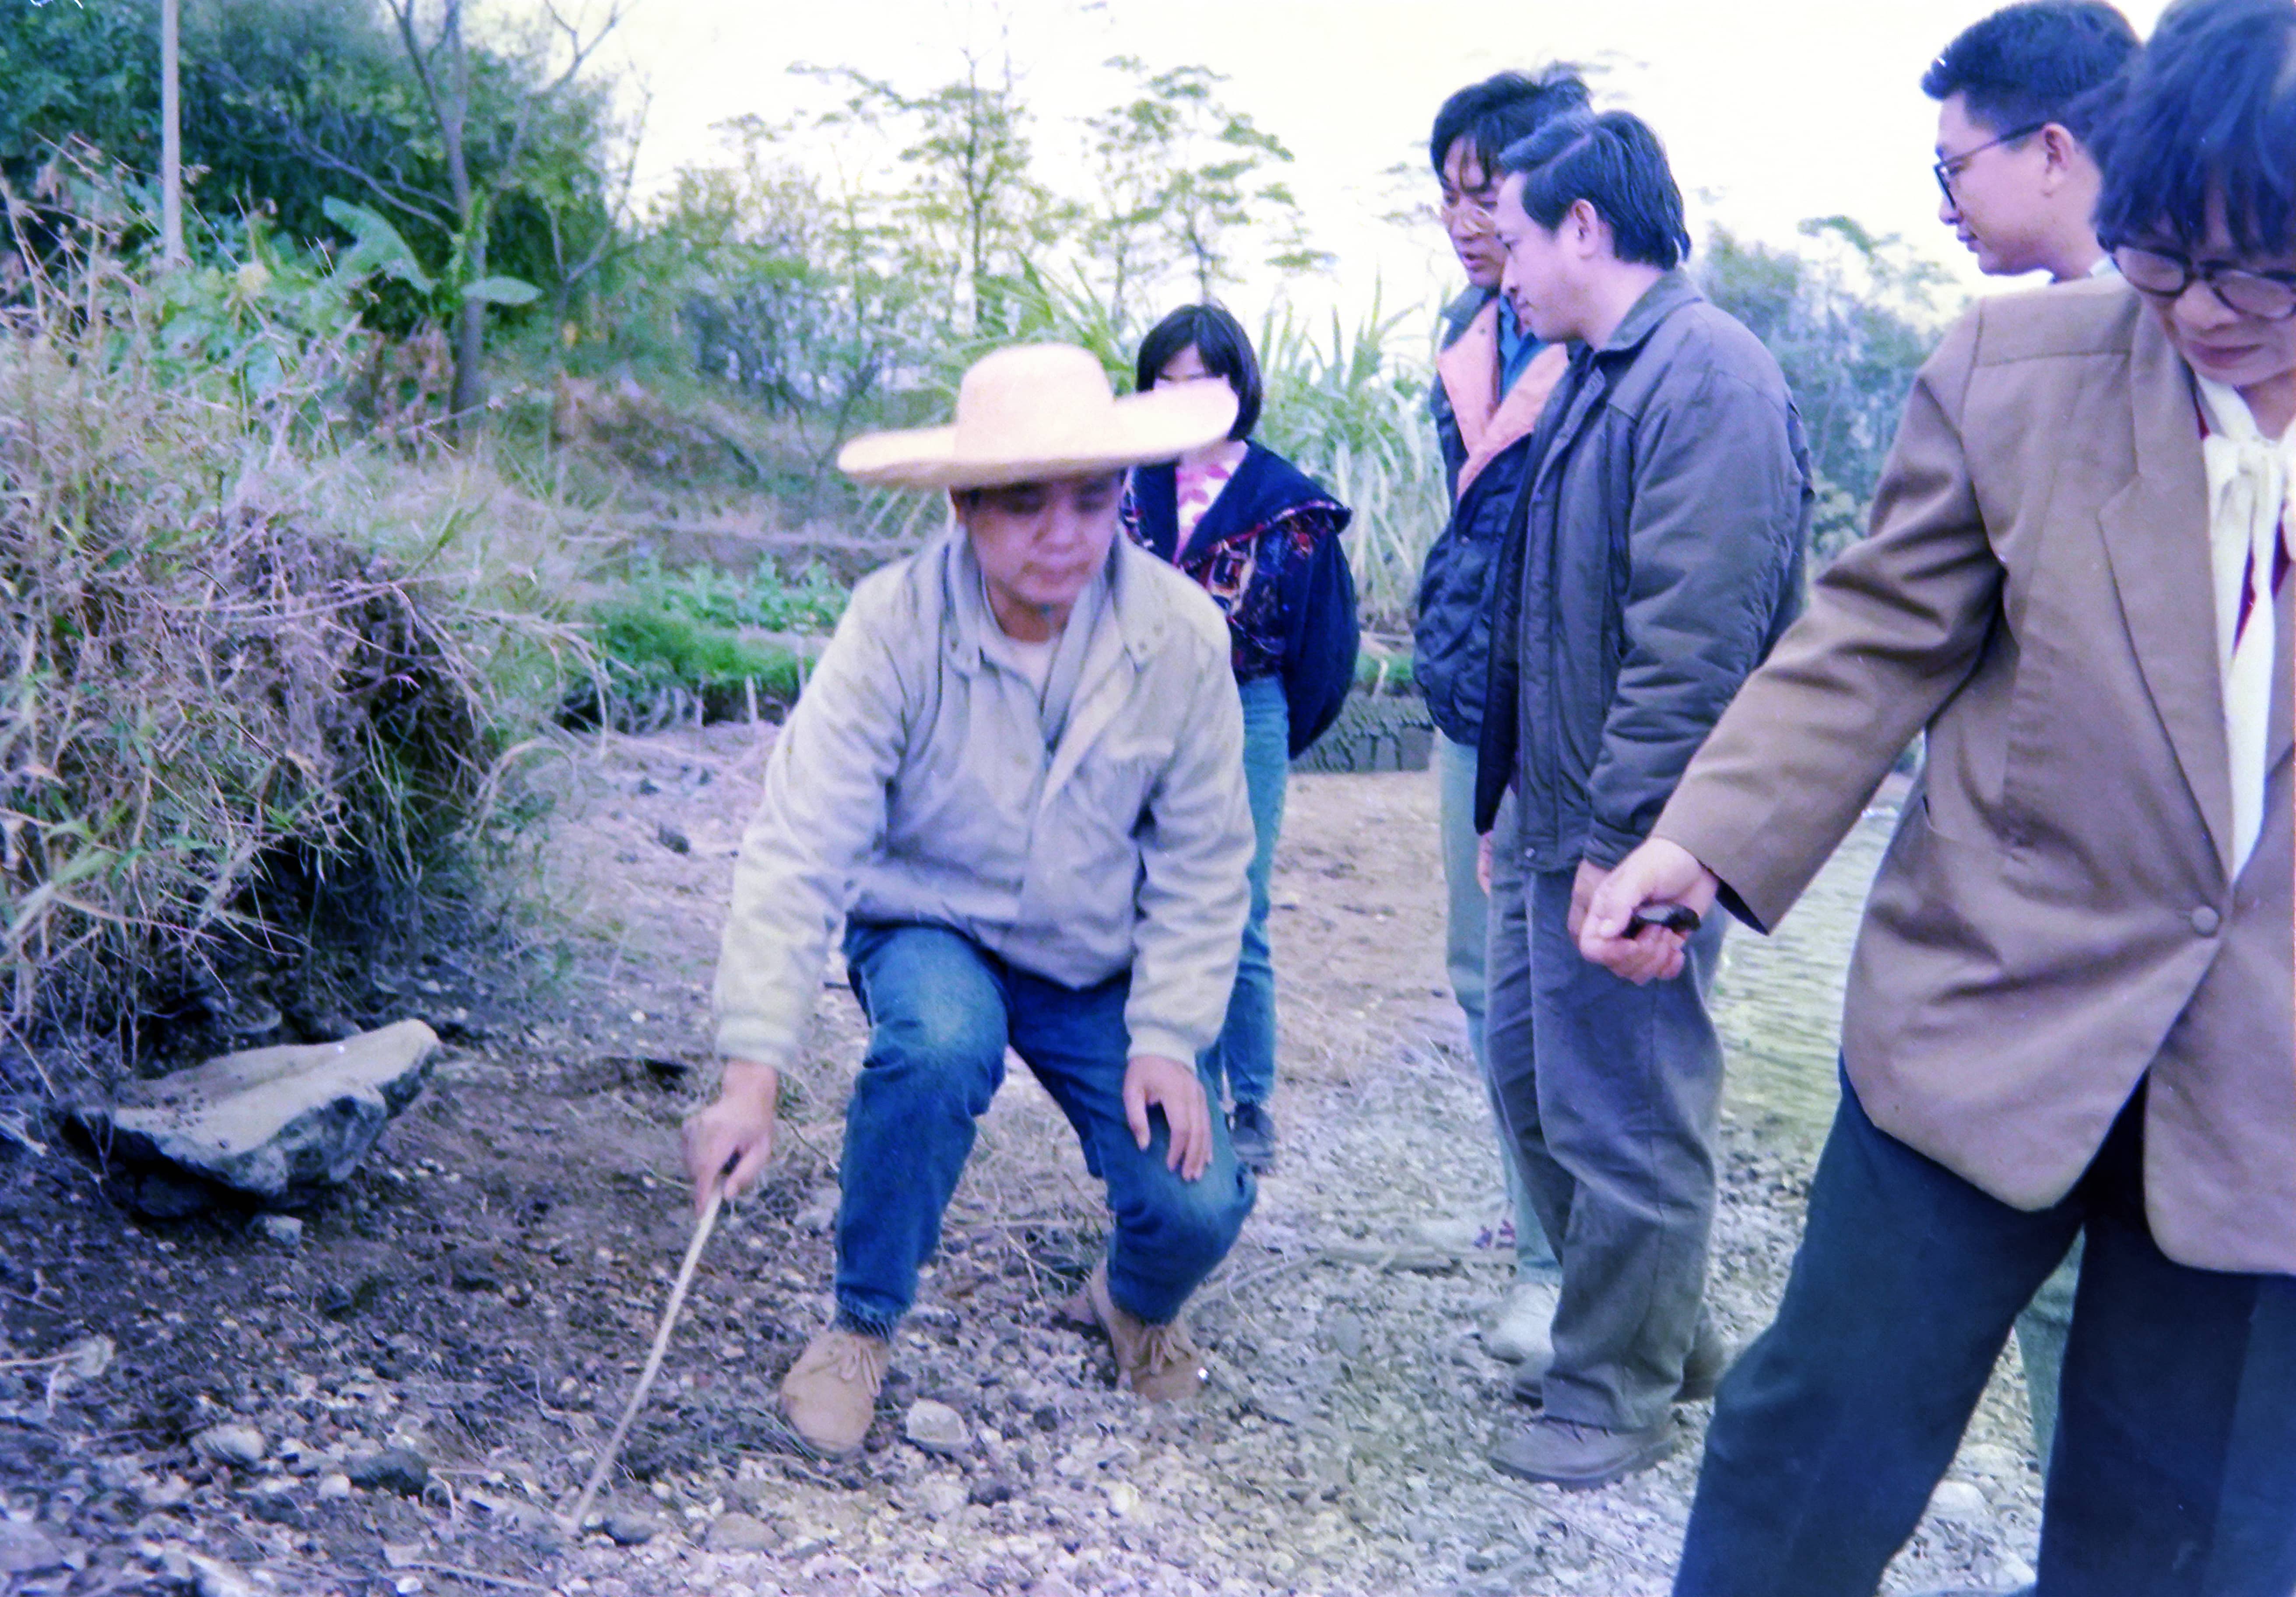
1018 773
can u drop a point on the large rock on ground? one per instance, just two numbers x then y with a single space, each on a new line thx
271 1124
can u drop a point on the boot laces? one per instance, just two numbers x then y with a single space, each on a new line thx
1166 1347
852 1357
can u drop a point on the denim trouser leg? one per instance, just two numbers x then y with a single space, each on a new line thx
1612 1093
941 1010
937 1033
2174 1473
1166 1233
1465 937
1246 1053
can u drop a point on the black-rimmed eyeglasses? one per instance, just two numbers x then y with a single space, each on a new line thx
2267 296
1951 168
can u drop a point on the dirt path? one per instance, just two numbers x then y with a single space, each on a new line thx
482 1293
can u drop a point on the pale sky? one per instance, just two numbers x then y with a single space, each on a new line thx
1772 110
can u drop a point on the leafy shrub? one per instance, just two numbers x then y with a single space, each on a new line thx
764 598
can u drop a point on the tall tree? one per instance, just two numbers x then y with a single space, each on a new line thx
441 64
1183 180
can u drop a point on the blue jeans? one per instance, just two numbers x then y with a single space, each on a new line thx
1245 1052
942 1010
1466 933
2174 1467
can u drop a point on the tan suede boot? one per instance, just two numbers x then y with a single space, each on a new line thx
830 1394
1160 1360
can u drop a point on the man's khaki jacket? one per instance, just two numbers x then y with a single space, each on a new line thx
913 782
2056 917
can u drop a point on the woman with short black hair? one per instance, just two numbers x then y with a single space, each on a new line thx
1263 538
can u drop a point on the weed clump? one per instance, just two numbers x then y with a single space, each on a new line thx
244 749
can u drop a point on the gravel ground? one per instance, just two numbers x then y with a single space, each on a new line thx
481 1296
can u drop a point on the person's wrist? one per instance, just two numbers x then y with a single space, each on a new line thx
751 1081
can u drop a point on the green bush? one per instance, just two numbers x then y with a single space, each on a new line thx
763 600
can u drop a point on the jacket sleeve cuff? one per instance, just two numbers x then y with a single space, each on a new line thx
1163 1043
762 1045
1725 850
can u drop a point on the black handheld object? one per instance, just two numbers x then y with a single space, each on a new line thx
1671 918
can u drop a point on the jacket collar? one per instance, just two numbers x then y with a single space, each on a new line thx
1660 301
1131 611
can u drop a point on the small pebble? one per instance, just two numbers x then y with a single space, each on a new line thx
1957 1500
399 1470
335 1485
629 1528
935 1426
239 1446
281 1230
743 1533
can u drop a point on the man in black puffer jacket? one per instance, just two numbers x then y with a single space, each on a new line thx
1492 380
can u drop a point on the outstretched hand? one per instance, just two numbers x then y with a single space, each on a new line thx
1167 1084
738 1129
1657 874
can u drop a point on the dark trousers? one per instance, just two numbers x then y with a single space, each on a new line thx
1611 1093
942 1010
2175 1466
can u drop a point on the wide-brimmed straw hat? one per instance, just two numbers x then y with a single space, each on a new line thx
1037 412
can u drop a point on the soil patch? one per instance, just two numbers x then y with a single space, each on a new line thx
481 1294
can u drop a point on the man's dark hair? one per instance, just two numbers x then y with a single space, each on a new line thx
1497 111
1616 164
2209 107
1224 345
2035 62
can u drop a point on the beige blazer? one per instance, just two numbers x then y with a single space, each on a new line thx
2056 917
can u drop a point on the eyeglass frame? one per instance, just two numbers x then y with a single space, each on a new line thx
2204 272
1949 168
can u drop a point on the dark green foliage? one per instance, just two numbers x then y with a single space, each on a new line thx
663 666
1851 317
764 600
288 103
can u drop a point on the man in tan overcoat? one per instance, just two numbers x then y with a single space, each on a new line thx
2070 1000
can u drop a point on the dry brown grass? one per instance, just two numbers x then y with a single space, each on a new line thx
257 688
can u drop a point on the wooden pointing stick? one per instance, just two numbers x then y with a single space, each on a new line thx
702 1229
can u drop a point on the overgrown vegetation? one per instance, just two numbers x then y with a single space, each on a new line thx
262 684
704 644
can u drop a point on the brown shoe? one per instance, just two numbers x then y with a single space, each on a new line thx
830 1394
1160 1360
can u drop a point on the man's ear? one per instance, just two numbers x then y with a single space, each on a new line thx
2062 153
1589 233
